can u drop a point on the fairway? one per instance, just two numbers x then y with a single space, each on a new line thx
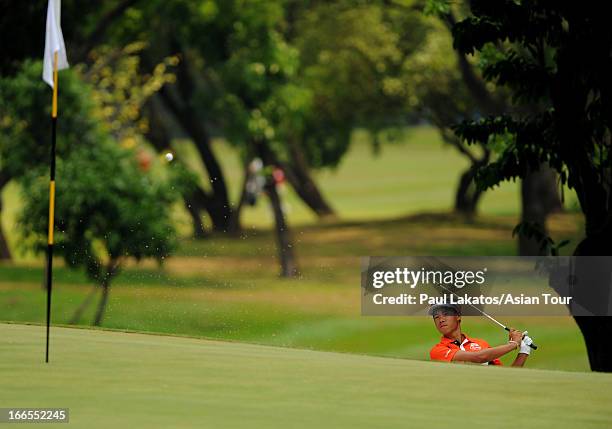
113 379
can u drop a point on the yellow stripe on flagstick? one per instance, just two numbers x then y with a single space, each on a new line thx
52 182
54 109
51 209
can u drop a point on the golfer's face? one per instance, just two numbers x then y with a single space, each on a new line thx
446 323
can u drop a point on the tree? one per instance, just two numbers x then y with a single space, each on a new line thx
437 87
213 38
558 57
222 85
107 211
445 85
349 69
309 92
83 26
25 127
346 77
5 252
259 47
539 190
118 23
117 88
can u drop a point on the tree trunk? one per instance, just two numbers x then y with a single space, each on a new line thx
5 252
217 205
284 240
195 213
283 236
157 132
593 192
298 175
467 195
595 330
234 226
160 136
195 203
539 198
596 203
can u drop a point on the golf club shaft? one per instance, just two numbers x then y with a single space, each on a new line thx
533 346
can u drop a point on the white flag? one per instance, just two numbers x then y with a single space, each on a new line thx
54 42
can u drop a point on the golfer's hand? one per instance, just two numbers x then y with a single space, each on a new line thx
525 343
516 336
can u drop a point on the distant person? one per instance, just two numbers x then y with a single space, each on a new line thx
455 346
255 181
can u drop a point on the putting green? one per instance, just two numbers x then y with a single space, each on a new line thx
113 379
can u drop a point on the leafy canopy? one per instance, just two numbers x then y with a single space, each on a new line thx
555 56
107 209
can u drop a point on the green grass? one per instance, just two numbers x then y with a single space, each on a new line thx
305 315
113 379
229 289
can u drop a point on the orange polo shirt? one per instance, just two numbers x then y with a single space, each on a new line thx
446 349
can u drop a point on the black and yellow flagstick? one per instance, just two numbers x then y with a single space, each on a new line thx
51 202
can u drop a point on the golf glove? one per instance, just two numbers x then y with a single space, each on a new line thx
525 349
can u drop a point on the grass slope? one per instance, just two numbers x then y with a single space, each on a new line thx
112 379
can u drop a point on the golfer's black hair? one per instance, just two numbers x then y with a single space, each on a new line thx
448 310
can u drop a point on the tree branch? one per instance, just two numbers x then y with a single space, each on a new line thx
487 101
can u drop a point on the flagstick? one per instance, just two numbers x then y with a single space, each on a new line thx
51 202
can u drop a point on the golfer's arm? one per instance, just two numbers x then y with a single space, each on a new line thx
520 360
485 355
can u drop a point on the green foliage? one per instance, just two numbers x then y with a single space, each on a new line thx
283 71
25 124
351 58
437 7
522 146
234 54
119 89
553 59
106 209
535 231
433 82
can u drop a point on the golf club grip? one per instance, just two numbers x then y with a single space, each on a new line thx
533 346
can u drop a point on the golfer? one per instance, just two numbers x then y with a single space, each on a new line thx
455 346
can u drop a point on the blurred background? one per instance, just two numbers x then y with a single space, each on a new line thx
223 165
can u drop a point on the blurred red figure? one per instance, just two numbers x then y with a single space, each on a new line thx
144 160
279 175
